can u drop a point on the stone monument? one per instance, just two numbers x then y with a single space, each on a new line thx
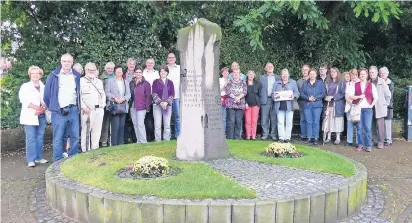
202 134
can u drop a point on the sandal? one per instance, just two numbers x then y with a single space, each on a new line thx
359 148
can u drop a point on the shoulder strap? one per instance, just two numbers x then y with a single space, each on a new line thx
95 86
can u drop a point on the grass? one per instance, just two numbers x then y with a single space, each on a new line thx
313 158
197 180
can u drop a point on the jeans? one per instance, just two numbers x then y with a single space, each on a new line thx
312 117
349 132
66 139
233 123
224 117
268 113
388 131
60 123
34 140
117 127
104 137
285 134
138 124
176 115
251 117
95 129
363 128
158 114
303 131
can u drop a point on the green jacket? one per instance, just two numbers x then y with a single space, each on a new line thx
105 77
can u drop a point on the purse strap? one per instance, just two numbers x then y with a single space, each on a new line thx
94 86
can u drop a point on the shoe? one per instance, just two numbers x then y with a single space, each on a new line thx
281 141
326 141
316 142
31 164
359 148
308 141
287 141
103 144
387 144
380 146
65 155
337 142
41 161
349 144
275 139
264 138
368 149
303 139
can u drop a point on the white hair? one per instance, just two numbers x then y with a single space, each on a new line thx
131 60
88 65
384 70
373 68
109 64
78 66
285 70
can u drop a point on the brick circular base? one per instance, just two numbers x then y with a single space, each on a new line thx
89 204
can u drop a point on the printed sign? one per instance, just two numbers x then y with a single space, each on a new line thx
283 95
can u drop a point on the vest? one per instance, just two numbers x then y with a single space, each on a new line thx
368 92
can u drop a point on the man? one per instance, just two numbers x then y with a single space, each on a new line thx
383 73
268 116
174 76
106 75
235 66
129 74
150 74
129 134
61 96
381 107
305 76
323 74
93 101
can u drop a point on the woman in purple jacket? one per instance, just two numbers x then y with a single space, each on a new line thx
163 94
141 99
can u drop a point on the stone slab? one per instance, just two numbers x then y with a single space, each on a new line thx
131 212
352 198
197 213
302 209
265 211
220 212
317 208
152 212
285 210
51 192
82 205
60 198
71 205
343 202
96 208
112 209
331 206
174 212
243 212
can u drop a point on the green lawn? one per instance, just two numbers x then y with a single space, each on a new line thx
197 180
313 158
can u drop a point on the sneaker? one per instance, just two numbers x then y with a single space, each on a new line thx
326 141
308 141
303 139
380 146
359 148
264 138
31 164
368 149
387 144
65 155
337 142
41 161
287 141
316 142
349 144
275 139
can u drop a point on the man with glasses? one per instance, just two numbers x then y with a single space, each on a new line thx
93 101
105 76
61 96
174 76
129 134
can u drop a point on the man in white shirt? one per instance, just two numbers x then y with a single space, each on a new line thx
174 76
129 134
150 74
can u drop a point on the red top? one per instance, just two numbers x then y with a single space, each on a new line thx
368 92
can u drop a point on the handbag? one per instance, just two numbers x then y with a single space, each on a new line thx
355 111
117 108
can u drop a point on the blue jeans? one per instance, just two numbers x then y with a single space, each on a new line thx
349 131
234 123
60 123
364 128
34 140
312 117
303 132
176 115
224 117
269 118
117 123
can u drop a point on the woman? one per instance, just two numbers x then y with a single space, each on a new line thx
252 105
235 104
222 84
384 72
335 98
141 98
365 95
163 94
313 92
117 91
350 79
32 116
284 108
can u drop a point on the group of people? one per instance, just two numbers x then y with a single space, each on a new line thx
323 101
108 109
131 105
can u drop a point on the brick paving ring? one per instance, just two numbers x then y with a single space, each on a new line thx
284 195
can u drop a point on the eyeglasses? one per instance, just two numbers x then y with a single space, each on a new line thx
171 57
92 70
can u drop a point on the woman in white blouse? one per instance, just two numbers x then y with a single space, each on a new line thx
32 115
222 84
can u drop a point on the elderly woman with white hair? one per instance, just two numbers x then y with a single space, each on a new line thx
384 73
79 68
284 108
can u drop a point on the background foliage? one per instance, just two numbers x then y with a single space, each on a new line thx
288 33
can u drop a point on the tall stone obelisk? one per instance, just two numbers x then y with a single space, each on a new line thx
202 134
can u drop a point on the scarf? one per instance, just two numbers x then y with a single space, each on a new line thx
165 94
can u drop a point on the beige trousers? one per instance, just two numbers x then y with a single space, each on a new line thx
96 120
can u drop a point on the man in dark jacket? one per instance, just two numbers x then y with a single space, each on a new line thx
61 96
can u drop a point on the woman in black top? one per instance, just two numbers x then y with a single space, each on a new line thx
252 105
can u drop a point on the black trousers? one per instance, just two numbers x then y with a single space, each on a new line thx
117 126
129 129
149 125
